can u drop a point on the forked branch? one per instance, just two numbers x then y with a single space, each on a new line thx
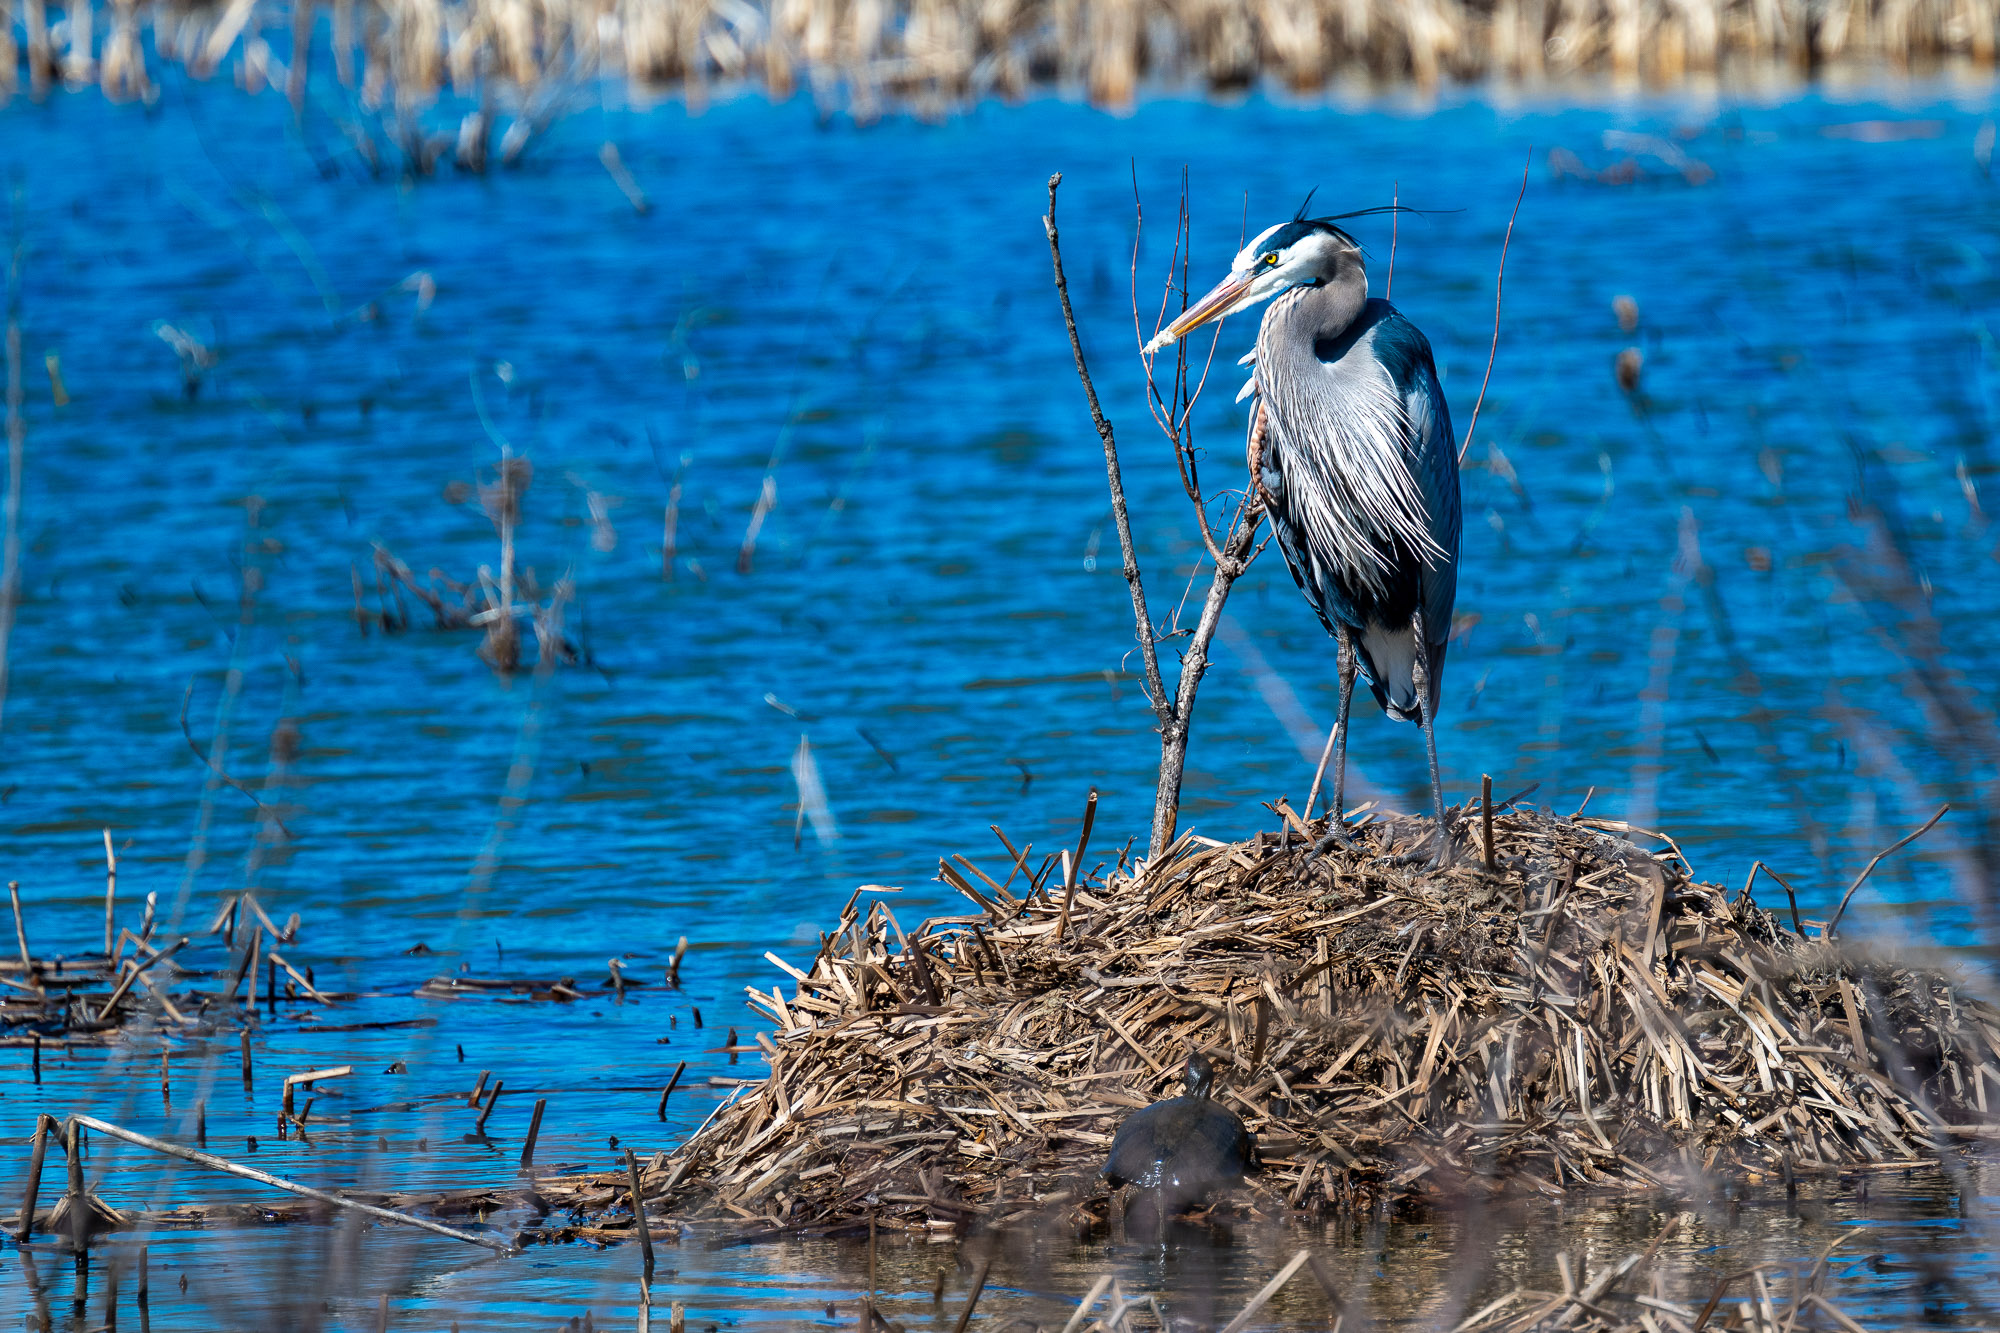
1230 557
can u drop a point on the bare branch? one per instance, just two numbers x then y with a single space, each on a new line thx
1172 412
1156 690
1238 550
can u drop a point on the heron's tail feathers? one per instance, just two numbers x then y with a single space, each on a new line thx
1389 656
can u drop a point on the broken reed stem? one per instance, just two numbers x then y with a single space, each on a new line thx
21 931
110 889
1262 1298
972 1301
534 1131
1082 1312
628 186
1798 927
214 1163
26 1224
1486 818
77 1200
639 1215
492 1100
1089 821
1499 284
1319 776
672 1083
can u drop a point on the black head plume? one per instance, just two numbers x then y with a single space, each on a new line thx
1300 216
1368 212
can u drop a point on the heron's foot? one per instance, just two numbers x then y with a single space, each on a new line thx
1337 835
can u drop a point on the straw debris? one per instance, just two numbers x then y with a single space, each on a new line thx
1588 1015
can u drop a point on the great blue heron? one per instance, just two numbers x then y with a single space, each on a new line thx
1360 465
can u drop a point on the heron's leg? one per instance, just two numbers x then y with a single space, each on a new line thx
1336 823
1337 807
1422 681
1346 658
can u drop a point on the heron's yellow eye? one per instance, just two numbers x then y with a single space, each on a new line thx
1270 259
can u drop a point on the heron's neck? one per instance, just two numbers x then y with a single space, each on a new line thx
1305 315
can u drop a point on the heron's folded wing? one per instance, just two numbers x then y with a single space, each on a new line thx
1346 447
1434 463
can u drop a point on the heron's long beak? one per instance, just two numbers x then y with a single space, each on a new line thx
1229 296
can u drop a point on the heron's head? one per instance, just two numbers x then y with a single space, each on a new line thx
1305 252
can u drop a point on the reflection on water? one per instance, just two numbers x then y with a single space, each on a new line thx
1748 597
1906 1250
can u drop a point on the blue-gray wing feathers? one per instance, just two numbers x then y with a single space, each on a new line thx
1362 464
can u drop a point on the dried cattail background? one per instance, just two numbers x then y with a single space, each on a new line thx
932 53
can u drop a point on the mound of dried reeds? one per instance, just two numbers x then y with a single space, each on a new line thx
931 53
1582 1014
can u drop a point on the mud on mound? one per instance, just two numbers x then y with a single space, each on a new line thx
1587 1015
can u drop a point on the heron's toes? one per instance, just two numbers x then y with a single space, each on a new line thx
1336 836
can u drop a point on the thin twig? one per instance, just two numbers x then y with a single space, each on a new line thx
1798 928
1499 284
1869 869
214 765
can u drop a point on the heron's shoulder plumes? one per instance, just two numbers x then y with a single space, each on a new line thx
1346 433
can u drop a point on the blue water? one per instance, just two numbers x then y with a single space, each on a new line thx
864 316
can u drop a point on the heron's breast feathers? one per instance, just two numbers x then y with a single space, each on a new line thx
1347 440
